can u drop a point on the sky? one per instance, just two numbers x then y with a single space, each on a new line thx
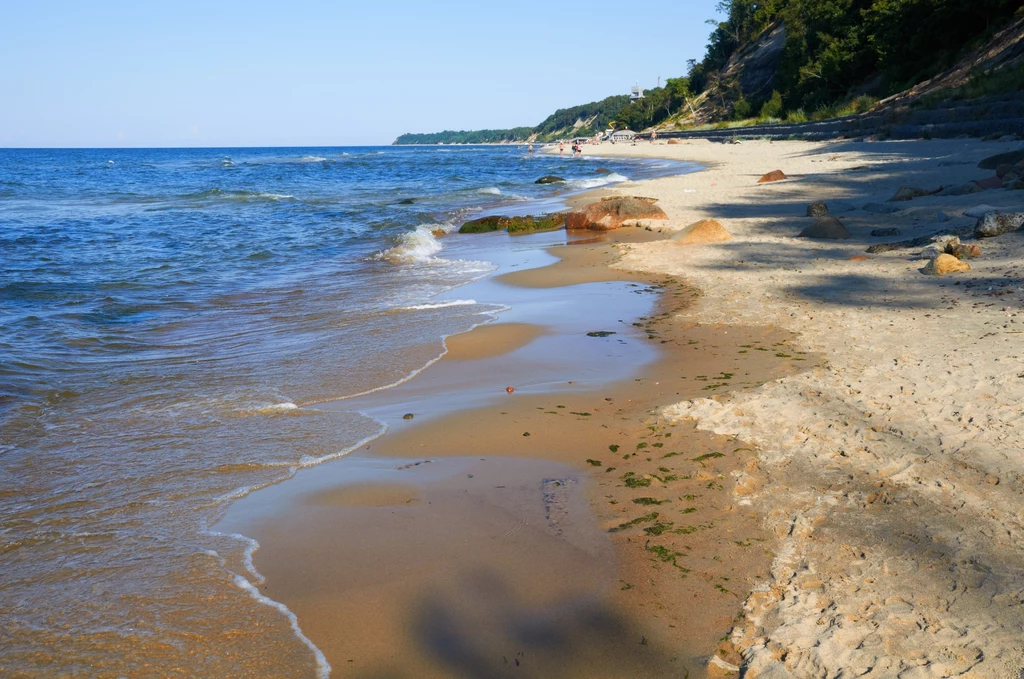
304 73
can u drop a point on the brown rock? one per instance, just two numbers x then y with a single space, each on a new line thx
773 176
1003 169
817 209
908 193
1015 185
827 228
990 183
964 251
674 141
945 264
609 213
704 231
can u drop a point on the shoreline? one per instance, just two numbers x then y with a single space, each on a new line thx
671 635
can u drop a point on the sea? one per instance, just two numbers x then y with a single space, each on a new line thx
167 317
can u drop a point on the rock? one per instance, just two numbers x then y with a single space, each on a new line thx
406 201
940 245
880 208
603 170
1011 158
704 231
964 251
990 183
1003 169
1009 177
817 209
908 193
979 211
885 233
524 224
408 416
1015 185
674 141
773 176
827 228
609 213
549 179
997 223
961 189
945 264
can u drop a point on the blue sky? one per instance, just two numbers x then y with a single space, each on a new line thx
301 73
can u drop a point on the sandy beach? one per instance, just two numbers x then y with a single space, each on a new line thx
813 471
890 474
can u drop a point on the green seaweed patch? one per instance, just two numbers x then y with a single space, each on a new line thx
667 555
641 446
594 463
668 455
707 456
600 333
649 501
646 518
580 414
614 448
657 445
658 528
689 510
524 224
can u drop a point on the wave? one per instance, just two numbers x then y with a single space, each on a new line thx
237 195
594 182
417 246
490 190
440 305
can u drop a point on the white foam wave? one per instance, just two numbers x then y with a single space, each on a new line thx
416 246
490 190
440 305
594 182
312 159
323 668
277 408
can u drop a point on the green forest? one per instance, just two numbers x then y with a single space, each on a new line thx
839 56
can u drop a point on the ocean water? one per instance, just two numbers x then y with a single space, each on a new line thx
165 316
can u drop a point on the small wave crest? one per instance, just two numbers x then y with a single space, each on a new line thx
440 305
490 190
594 182
419 245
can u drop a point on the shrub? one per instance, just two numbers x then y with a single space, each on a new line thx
741 109
773 107
796 116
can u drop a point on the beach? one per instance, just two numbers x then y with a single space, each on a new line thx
890 474
818 475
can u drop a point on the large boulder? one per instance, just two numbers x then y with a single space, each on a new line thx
817 209
773 176
522 224
704 231
549 179
997 223
1011 158
826 228
609 213
674 141
945 264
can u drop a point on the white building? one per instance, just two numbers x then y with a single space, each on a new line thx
636 93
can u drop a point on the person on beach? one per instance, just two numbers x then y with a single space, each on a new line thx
654 135
530 149
561 148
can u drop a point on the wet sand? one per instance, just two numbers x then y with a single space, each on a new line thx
560 530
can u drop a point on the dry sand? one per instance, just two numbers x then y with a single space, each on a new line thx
890 474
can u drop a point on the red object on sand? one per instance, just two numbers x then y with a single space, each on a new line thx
510 389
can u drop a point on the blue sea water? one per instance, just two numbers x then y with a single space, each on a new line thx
164 314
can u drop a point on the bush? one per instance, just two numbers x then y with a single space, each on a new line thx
773 107
796 116
741 109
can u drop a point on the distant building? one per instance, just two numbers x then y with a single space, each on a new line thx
623 135
636 93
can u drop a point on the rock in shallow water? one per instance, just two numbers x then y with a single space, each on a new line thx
549 179
817 209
